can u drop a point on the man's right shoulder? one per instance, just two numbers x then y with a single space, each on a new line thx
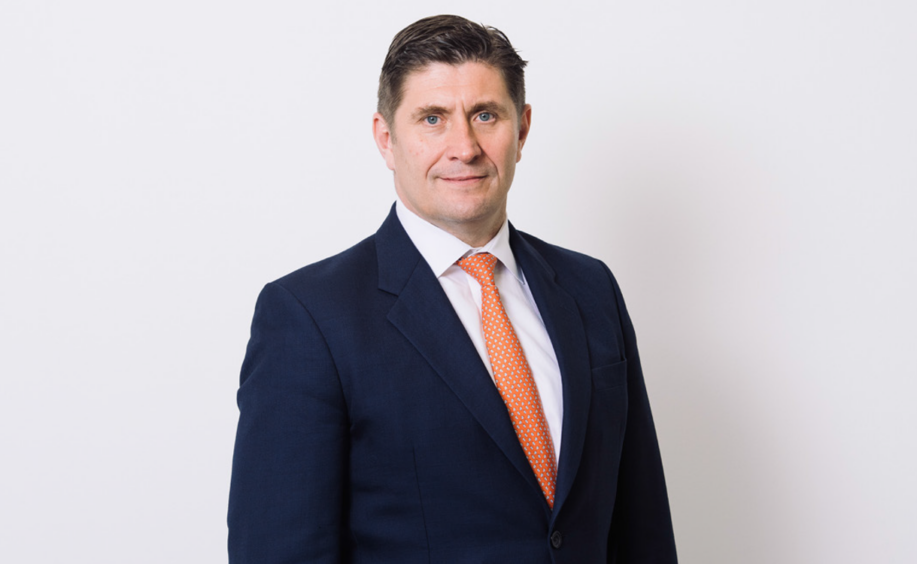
337 277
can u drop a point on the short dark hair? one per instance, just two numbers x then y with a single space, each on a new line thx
452 40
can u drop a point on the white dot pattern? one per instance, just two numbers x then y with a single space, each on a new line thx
513 375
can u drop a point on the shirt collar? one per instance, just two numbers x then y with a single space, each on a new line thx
442 249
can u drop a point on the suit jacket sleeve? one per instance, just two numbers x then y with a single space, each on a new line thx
287 493
641 526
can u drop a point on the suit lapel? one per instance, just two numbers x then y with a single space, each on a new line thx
565 328
424 315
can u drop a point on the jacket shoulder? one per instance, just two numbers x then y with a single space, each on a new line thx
565 260
587 279
333 278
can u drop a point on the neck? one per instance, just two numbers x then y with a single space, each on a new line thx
473 232
474 236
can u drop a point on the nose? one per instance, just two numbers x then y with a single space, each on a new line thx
463 143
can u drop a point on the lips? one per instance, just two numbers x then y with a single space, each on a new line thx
462 177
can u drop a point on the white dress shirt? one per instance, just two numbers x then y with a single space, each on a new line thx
441 250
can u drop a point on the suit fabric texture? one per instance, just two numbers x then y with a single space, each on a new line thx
370 430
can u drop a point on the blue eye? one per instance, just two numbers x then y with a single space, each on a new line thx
486 116
432 120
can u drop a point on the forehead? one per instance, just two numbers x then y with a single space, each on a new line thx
443 83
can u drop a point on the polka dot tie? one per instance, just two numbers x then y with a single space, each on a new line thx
513 375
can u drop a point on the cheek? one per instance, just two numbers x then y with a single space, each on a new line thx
411 158
505 150
418 152
424 158
508 159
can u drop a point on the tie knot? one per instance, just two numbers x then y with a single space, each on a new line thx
480 267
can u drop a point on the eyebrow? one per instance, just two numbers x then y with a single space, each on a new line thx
427 110
492 107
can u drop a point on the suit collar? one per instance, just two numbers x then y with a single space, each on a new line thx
397 256
565 328
424 314
442 249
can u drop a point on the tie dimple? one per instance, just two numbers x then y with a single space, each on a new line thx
513 375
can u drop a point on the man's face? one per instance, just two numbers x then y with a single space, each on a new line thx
453 146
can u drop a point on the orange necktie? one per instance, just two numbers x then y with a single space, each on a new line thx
513 375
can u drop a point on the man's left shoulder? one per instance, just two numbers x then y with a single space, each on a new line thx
565 262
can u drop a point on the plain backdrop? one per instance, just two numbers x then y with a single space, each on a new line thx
748 169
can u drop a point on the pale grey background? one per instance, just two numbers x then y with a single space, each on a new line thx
747 169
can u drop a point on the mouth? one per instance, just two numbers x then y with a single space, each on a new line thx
462 179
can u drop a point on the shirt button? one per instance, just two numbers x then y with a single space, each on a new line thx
557 539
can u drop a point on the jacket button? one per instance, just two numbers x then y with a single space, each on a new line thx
557 539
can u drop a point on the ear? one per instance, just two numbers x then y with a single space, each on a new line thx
525 123
383 136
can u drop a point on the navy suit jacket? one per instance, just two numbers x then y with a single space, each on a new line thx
370 430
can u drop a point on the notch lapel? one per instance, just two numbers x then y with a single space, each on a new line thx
565 328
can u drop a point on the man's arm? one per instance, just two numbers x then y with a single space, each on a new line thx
287 497
641 527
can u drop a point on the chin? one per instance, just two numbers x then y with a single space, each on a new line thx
472 214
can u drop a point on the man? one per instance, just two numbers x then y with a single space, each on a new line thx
449 389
